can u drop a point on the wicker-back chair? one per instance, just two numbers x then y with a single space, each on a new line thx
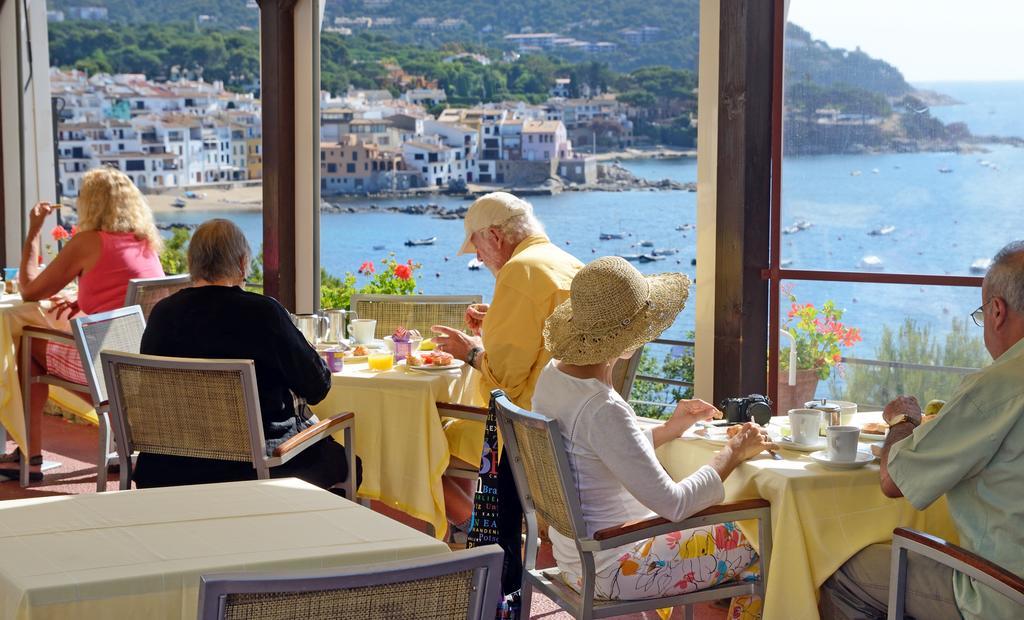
117 330
204 409
413 311
464 585
906 540
624 372
146 292
547 487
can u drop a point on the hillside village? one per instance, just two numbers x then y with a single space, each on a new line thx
191 132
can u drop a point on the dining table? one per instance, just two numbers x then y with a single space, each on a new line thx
141 553
821 516
15 315
399 434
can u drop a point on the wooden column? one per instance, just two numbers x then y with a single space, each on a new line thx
744 197
277 93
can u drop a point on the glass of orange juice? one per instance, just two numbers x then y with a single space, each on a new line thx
381 361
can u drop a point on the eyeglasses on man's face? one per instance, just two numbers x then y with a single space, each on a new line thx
978 316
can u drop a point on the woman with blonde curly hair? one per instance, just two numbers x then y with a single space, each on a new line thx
117 240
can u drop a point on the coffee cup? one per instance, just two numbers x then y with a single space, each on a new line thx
362 330
841 443
804 425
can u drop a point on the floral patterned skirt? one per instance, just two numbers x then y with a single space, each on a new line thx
677 563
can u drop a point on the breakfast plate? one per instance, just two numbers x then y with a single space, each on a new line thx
862 459
454 365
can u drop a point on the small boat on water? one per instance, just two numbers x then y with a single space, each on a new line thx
871 262
665 252
875 171
791 230
427 241
802 224
378 247
178 203
650 258
475 264
945 170
647 244
610 236
855 173
981 265
630 257
882 230
786 262
685 227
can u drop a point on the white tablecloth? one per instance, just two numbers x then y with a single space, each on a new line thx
139 554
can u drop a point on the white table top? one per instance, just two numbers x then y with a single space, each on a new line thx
141 553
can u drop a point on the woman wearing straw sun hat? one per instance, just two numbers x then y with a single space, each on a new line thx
613 310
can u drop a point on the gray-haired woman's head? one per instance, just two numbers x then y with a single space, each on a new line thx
218 251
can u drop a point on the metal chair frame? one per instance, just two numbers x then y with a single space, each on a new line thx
582 604
360 301
97 388
485 562
246 371
906 540
94 385
462 412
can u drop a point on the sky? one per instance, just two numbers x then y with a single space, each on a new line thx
928 40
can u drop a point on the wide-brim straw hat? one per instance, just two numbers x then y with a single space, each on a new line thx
613 308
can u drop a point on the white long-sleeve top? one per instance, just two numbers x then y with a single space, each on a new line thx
617 474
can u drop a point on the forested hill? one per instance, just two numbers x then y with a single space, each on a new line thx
671 38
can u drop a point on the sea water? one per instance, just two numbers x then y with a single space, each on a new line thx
943 222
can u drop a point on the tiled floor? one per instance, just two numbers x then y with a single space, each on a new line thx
74 446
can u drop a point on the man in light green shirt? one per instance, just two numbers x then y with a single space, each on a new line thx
973 453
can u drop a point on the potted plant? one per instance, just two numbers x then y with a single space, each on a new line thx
819 336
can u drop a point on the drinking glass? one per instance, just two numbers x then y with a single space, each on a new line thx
380 361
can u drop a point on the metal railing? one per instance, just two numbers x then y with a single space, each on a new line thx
855 361
663 380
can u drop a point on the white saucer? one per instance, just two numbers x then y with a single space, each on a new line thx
788 444
821 456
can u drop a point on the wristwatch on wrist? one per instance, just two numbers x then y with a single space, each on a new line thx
903 418
472 355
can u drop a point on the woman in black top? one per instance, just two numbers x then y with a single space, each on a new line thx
217 319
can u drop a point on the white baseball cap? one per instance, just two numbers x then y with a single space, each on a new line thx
491 209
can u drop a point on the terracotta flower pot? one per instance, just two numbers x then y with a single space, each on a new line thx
794 396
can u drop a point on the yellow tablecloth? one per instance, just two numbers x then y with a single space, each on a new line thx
14 316
139 554
398 433
820 517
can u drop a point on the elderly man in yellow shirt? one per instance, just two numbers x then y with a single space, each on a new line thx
532 277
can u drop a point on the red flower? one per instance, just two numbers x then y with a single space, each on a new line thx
367 267
409 262
74 230
793 311
403 272
59 233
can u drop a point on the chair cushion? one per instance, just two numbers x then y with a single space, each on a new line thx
64 362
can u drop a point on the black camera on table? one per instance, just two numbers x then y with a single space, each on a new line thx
753 408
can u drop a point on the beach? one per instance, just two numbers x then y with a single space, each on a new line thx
242 198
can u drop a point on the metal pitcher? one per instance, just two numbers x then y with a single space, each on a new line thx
312 326
337 327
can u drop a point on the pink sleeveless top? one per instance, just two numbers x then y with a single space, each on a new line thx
122 258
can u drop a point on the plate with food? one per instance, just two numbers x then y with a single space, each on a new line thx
358 353
714 434
874 430
433 362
